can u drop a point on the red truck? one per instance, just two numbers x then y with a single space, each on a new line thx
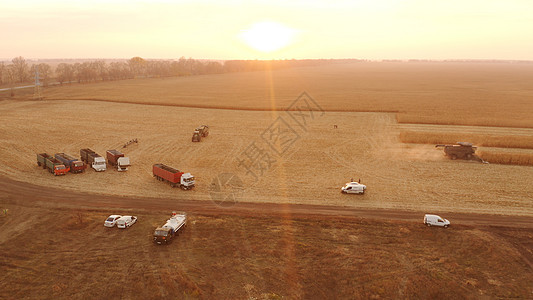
75 165
173 176
53 165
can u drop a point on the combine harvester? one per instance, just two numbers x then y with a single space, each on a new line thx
165 233
461 150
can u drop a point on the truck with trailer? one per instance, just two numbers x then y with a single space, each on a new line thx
75 165
41 159
175 177
116 158
165 233
92 158
55 166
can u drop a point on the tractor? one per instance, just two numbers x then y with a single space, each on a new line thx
199 132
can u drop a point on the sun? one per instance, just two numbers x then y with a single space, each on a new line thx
268 36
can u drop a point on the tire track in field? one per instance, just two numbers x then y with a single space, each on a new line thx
375 158
154 269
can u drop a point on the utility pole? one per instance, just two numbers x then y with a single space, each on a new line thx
37 95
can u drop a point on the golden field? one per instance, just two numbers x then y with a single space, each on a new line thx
479 94
311 171
514 148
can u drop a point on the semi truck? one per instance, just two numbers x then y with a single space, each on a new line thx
165 233
75 165
116 158
49 162
175 177
92 158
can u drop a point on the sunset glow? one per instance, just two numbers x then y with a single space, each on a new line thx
255 29
268 36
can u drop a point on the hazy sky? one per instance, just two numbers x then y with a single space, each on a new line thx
248 29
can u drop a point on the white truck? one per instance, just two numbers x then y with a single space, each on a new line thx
116 158
165 233
93 159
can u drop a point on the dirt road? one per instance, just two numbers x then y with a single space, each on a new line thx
22 193
54 244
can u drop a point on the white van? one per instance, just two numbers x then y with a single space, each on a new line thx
126 221
434 220
353 188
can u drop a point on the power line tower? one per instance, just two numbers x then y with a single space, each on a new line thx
37 94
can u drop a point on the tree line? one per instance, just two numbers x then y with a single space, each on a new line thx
19 71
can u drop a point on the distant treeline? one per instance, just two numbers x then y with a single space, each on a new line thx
19 71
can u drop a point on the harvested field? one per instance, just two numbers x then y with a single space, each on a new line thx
477 94
311 171
66 253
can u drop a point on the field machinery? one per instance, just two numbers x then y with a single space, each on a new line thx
199 132
461 150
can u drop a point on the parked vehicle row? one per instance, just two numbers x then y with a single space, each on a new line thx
120 221
163 234
61 163
178 221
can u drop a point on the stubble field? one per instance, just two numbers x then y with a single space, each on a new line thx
312 169
64 253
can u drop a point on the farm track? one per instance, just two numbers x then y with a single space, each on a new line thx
21 193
